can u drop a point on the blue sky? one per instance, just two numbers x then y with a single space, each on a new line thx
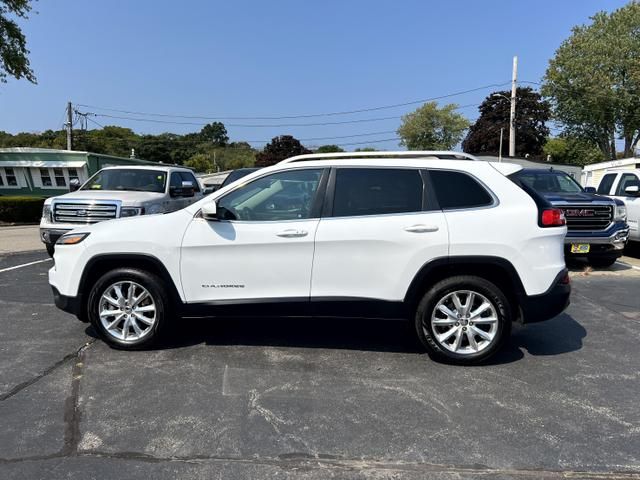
270 58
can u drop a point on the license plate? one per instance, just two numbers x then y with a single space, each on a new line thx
580 248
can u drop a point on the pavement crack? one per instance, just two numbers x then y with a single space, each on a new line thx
71 410
18 388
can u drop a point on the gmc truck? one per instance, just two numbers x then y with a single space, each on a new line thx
596 225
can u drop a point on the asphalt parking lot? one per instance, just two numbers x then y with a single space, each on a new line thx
318 399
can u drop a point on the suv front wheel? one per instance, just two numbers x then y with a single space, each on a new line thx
463 319
128 307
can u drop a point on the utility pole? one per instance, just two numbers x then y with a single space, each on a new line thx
500 154
512 115
69 126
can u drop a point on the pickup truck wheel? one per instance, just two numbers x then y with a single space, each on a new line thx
128 307
50 249
601 262
463 319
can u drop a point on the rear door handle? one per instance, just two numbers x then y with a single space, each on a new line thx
292 233
421 228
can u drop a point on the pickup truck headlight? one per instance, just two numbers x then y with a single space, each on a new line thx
130 211
46 213
153 209
620 214
72 238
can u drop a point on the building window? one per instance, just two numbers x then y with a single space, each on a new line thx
45 177
58 175
12 181
73 174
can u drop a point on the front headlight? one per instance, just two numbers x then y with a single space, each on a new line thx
130 211
620 214
72 238
46 213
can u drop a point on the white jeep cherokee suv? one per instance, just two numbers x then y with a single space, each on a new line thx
439 238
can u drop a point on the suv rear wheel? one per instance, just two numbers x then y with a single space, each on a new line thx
128 307
463 319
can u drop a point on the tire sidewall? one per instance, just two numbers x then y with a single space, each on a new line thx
443 288
145 279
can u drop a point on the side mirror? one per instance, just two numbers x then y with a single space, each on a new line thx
632 191
186 190
209 211
590 189
74 184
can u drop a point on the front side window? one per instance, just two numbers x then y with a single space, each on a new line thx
627 180
58 175
605 185
12 181
285 195
189 177
458 190
135 180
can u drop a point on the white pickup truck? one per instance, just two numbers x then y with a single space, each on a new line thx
625 185
117 192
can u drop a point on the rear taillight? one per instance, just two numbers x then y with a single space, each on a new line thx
552 217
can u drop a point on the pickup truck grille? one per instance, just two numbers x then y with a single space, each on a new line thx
588 217
83 212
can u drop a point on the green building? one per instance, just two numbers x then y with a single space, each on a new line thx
43 172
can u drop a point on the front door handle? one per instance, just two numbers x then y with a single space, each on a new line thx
421 228
292 233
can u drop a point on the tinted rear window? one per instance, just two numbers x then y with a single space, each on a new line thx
458 190
371 191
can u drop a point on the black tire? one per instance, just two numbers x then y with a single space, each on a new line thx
601 262
439 291
50 249
156 290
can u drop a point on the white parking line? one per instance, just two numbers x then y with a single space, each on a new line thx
24 265
627 265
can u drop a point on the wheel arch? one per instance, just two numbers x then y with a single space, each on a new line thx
101 264
494 269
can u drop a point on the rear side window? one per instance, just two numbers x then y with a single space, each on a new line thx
606 183
377 191
458 190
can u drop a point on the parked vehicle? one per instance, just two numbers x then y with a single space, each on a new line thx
597 225
117 192
624 185
237 175
439 238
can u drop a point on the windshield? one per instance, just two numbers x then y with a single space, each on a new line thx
549 182
135 180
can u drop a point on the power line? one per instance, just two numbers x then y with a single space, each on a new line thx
289 117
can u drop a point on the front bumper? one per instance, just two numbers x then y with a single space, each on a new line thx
537 308
71 305
610 245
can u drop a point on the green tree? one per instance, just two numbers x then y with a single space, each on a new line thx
366 149
278 149
432 128
593 81
215 133
532 113
14 60
329 149
200 162
572 150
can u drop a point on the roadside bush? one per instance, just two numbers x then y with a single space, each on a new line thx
20 209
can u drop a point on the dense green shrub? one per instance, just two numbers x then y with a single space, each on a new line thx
20 209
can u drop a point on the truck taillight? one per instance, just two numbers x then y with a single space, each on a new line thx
552 217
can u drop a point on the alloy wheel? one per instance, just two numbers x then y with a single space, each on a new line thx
127 311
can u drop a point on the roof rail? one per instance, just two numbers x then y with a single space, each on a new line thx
441 154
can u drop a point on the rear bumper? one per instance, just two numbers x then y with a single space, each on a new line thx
537 308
